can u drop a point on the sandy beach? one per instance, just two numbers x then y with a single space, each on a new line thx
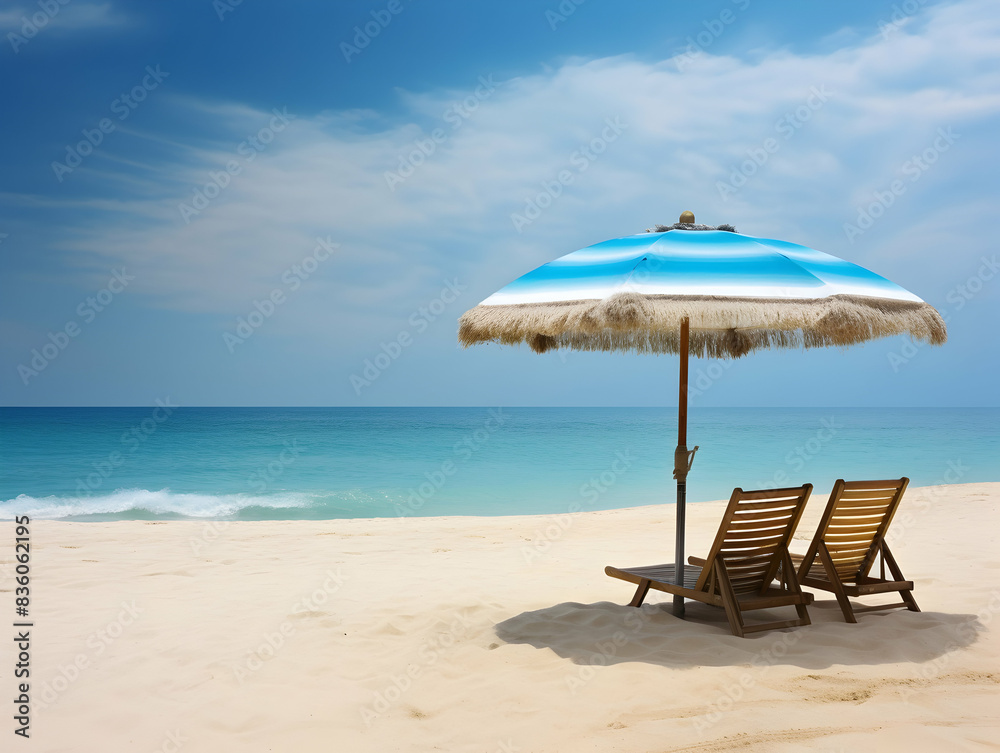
493 635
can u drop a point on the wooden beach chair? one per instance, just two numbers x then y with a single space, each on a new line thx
850 537
739 572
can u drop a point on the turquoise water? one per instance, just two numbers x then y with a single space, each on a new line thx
320 463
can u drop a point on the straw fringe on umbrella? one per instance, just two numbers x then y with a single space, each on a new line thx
721 327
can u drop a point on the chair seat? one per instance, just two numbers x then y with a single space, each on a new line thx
656 574
773 597
870 586
665 574
661 578
818 579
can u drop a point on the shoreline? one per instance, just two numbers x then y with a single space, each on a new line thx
473 633
926 491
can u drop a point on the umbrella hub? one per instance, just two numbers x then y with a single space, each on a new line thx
686 222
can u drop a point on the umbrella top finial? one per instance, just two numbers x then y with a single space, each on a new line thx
687 218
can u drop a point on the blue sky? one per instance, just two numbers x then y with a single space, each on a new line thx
280 193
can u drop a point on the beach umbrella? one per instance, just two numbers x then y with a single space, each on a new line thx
695 289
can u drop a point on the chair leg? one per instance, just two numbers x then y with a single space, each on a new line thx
792 584
729 601
640 593
803 613
897 574
835 584
911 603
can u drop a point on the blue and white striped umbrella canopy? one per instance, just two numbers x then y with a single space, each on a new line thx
740 294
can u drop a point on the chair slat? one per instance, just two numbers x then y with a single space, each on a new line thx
766 504
893 484
748 563
843 529
859 507
853 495
760 533
757 517
843 537
794 492
762 542
847 545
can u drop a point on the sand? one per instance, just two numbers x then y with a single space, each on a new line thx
491 635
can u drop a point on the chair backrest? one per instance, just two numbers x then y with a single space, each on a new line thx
753 536
854 525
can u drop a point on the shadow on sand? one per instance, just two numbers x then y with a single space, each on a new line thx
606 633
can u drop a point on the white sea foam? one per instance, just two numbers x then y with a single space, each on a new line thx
158 503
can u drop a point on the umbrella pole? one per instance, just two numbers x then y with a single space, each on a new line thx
681 464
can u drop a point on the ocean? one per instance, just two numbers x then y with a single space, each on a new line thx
163 462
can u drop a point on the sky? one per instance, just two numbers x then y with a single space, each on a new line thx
228 203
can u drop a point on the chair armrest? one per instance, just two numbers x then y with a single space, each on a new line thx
697 561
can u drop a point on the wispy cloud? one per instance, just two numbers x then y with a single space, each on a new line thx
73 16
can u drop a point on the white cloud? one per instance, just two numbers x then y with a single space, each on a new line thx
71 16
686 131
